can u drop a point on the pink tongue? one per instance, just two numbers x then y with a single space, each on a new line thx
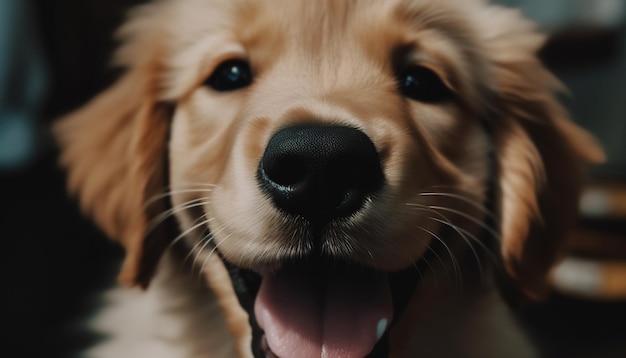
337 318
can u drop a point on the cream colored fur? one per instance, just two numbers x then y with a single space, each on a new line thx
324 61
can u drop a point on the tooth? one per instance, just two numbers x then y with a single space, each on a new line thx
381 327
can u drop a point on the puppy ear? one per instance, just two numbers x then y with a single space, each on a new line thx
541 163
114 149
541 156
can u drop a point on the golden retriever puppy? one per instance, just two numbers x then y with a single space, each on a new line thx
298 177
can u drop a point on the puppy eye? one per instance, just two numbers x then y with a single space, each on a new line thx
230 76
422 84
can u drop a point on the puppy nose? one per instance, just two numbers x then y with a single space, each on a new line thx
320 172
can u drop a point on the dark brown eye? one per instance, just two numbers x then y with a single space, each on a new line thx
422 84
230 76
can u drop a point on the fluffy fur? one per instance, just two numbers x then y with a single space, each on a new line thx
160 138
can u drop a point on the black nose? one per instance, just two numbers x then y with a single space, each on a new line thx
320 172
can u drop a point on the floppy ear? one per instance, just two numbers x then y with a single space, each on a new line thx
114 149
541 155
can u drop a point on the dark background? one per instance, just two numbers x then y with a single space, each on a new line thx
53 262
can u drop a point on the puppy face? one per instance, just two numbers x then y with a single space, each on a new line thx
320 150
379 68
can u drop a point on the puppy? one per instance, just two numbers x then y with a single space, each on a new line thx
323 166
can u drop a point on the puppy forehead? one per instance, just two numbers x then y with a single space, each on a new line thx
314 26
340 39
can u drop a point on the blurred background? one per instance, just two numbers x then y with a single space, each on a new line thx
53 263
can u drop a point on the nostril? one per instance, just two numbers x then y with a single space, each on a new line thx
286 170
347 201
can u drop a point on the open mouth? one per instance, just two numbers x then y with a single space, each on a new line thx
322 308
330 310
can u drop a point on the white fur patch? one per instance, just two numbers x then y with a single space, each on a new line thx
177 317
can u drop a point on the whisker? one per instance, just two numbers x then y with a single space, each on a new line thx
157 220
464 199
206 259
203 221
481 270
455 263
455 188
165 194
461 232
448 223
188 184
202 243
430 267
210 237
490 230
488 250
